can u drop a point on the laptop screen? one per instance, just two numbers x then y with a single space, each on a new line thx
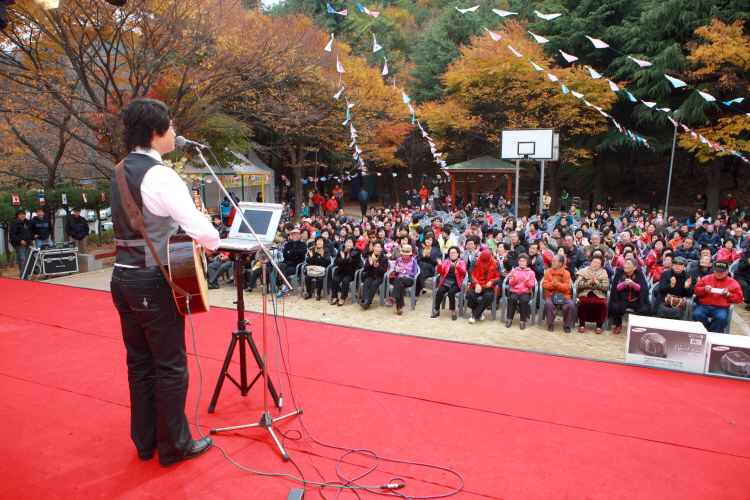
259 220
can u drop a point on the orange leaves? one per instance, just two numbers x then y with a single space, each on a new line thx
724 52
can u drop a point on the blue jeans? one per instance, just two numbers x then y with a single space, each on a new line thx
39 242
718 317
21 251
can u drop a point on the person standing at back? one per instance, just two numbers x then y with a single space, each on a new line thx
152 328
78 229
364 197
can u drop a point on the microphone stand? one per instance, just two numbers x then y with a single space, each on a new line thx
264 256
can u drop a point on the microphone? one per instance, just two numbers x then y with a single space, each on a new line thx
182 142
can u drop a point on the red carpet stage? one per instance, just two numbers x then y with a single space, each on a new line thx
516 425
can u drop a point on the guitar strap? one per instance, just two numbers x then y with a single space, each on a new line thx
139 223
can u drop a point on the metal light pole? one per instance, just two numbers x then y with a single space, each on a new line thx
675 116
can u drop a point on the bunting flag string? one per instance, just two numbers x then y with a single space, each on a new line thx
375 46
385 66
367 11
329 47
331 11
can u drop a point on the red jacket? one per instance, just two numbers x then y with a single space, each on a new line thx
459 271
332 205
424 194
316 199
716 299
483 276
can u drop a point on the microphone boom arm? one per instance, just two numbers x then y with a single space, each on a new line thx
239 212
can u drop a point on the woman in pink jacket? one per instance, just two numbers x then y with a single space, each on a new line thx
522 282
452 272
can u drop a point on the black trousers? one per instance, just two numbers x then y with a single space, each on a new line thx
745 284
522 301
288 270
370 288
400 284
154 336
255 276
479 302
441 291
617 310
340 282
318 283
363 207
427 271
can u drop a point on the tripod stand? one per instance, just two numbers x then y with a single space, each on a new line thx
242 336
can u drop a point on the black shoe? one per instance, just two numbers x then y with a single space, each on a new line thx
434 315
567 329
747 307
550 328
454 317
230 281
248 289
317 296
213 286
306 296
145 457
198 448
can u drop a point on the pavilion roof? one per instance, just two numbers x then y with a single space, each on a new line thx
482 164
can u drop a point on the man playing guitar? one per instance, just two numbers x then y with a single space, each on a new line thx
152 328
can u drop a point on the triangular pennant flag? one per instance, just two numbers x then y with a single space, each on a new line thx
588 104
367 11
738 100
597 43
349 105
470 9
394 82
564 88
552 77
605 115
547 17
539 39
338 94
515 51
630 96
649 104
405 97
411 110
348 116
375 46
385 66
330 44
640 62
345 122
339 66
671 120
536 66
494 36
593 73
613 86
504 13
568 57
706 96
331 11
352 130
577 94
665 110
675 82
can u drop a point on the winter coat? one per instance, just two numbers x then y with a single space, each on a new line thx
77 227
522 280
459 270
20 230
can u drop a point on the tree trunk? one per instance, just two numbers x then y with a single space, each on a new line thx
298 195
553 168
599 173
713 178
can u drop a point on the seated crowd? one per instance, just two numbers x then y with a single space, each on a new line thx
592 266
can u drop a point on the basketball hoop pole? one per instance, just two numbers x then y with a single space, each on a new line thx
540 200
518 176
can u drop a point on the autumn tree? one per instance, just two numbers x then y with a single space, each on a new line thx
490 89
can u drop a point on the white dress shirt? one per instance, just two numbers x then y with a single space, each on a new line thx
165 194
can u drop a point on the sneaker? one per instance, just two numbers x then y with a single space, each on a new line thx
399 310
522 325
472 320
389 302
481 318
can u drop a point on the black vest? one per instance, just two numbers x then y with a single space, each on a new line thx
131 247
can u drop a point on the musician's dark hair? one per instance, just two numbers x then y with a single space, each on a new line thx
142 119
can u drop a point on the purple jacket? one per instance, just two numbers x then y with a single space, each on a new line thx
402 268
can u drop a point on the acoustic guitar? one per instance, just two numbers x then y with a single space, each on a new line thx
188 268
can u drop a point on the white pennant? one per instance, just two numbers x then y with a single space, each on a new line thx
706 96
552 77
613 86
470 9
568 57
504 13
547 17
375 46
536 66
338 94
577 94
640 62
494 36
330 44
385 66
649 104
515 51
593 73
675 82
597 43
539 39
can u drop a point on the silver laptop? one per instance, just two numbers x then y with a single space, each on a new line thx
263 218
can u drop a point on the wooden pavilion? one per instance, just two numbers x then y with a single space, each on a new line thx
483 165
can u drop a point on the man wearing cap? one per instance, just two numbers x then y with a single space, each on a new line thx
483 225
294 253
458 224
728 203
78 229
717 292
673 285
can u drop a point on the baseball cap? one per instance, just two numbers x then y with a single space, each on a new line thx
679 260
720 265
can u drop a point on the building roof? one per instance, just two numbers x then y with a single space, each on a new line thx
482 164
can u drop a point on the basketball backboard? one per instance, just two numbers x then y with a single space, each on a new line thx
534 144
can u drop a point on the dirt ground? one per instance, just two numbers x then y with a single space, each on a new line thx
606 346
